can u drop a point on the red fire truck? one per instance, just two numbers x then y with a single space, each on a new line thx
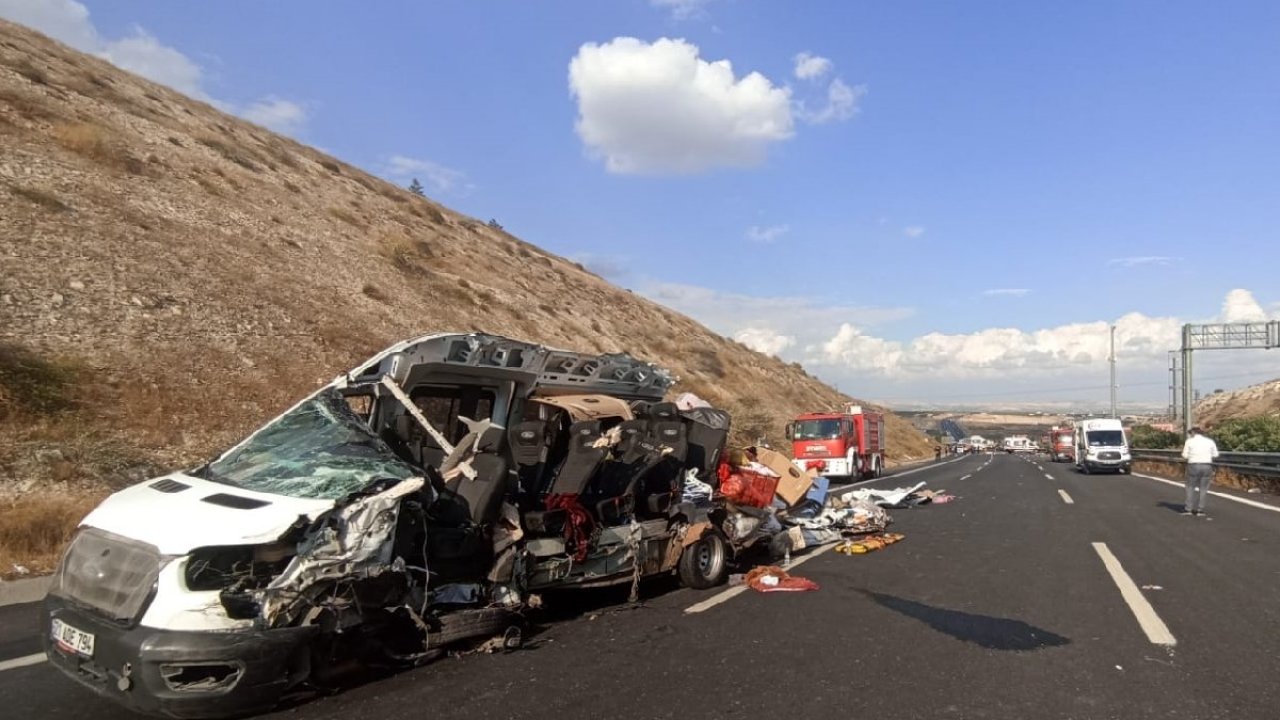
847 443
1062 444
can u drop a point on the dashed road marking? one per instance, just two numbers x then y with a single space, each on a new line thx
966 477
1065 497
1048 476
1157 632
24 661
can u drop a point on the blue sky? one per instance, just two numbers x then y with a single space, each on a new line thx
920 201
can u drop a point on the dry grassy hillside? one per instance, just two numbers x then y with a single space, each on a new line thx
1254 401
171 276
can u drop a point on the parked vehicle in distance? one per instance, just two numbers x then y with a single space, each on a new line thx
843 444
415 501
1018 444
1102 446
1062 444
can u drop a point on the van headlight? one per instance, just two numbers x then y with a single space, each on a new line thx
112 574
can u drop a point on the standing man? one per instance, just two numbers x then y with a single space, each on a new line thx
1199 452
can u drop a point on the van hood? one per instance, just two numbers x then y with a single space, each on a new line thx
178 513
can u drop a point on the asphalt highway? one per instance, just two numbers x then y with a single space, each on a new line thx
1039 593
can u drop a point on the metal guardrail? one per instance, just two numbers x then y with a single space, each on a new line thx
1248 463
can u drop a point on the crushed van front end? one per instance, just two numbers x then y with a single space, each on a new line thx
93 632
181 674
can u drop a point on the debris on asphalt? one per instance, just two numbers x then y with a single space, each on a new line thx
895 498
771 578
868 544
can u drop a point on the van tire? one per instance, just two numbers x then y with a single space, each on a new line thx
705 563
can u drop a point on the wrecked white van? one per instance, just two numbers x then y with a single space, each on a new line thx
420 499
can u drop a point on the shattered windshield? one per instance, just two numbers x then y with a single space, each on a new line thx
818 429
319 450
1106 438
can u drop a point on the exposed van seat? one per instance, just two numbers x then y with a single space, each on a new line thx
660 484
583 460
483 494
707 431
529 443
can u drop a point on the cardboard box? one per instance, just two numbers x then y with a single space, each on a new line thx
793 484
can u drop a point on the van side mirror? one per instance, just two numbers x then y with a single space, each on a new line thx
791 431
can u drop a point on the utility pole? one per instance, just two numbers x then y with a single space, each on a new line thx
1113 371
1188 403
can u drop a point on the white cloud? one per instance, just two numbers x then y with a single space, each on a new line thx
1241 306
63 20
841 104
1140 260
141 53
138 52
1006 292
284 116
658 108
767 235
436 176
683 9
995 352
913 231
1065 362
764 340
854 350
811 67
804 318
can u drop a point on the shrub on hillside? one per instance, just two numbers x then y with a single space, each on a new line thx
1256 434
30 384
1149 438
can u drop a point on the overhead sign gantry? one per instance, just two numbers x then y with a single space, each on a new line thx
1220 336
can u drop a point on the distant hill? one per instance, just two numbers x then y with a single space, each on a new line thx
172 276
1254 401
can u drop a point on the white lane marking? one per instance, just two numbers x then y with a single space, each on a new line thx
733 592
1048 476
1224 496
905 473
966 477
23 661
1065 497
1157 632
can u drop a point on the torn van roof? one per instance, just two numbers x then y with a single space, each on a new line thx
589 407
550 371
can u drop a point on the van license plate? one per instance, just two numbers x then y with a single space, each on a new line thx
72 640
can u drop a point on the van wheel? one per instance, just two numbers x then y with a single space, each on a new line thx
705 563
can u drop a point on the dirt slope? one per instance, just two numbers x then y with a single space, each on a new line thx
171 276
1254 401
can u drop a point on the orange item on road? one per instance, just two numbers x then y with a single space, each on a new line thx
771 578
